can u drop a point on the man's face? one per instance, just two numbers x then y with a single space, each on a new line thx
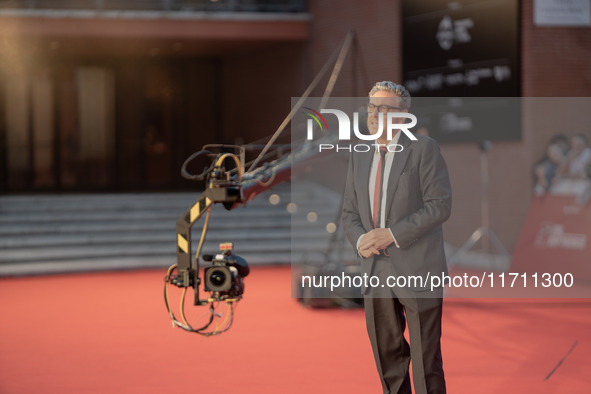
380 103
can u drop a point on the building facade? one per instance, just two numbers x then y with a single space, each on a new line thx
100 95
104 95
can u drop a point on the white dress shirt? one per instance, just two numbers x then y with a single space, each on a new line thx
372 181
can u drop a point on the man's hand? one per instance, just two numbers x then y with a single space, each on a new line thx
375 240
368 252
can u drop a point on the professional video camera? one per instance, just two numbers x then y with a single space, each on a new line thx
226 183
224 278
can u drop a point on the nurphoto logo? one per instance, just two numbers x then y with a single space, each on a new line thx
344 132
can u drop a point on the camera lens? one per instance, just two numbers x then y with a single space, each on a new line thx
218 278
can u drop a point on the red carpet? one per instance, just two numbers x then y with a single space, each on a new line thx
110 333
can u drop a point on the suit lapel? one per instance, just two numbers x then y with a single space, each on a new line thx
365 172
398 163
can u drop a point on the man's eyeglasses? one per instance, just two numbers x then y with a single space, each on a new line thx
382 108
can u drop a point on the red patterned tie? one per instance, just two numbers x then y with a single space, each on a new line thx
377 191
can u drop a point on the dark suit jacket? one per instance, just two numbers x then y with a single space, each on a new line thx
418 202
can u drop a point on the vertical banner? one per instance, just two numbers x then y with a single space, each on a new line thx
461 48
556 237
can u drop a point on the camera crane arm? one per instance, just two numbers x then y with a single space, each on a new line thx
233 188
232 191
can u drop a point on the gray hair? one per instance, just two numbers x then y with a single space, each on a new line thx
398 90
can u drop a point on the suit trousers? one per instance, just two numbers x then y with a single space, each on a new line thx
386 316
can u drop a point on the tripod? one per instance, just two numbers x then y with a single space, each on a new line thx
484 232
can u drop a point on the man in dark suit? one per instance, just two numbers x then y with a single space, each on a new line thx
394 206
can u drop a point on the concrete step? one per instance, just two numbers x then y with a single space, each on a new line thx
154 248
77 238
65 233
163 225
12 214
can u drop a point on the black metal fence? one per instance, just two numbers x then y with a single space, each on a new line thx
159 5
